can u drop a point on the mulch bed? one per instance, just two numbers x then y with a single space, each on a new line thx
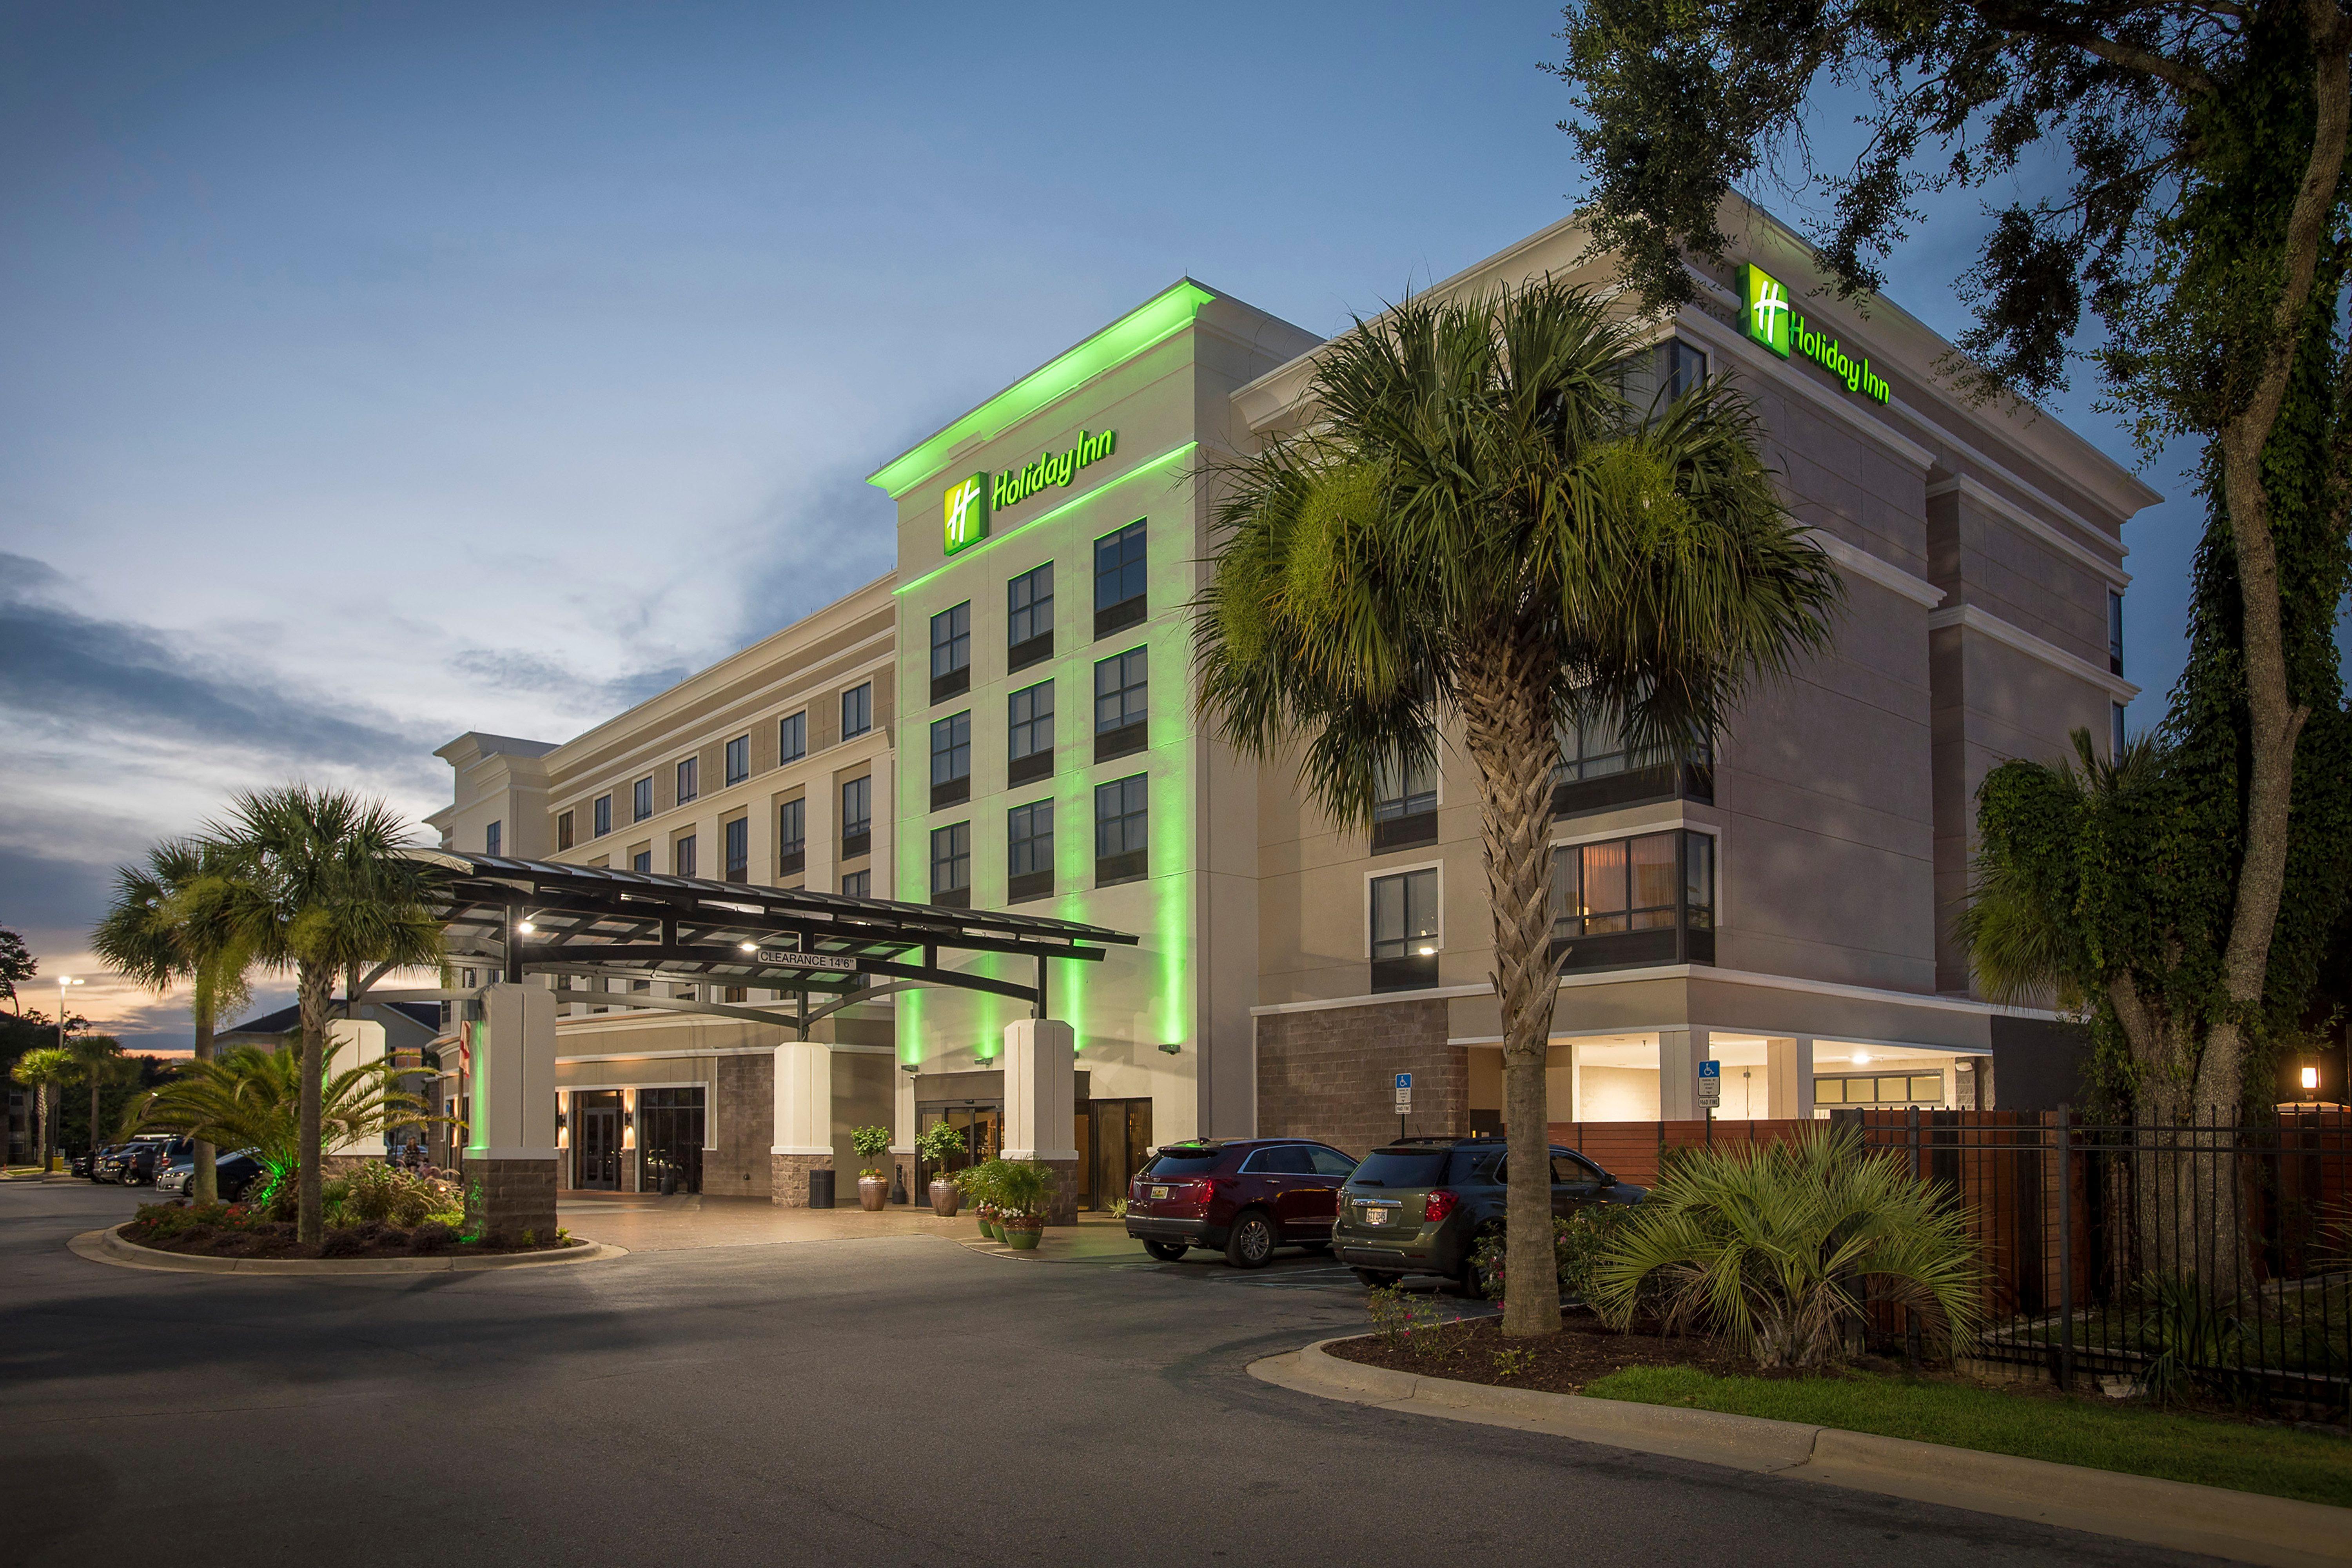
1583 1352
275 1240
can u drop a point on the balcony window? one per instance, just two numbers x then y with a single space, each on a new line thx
1119 579
1122 830
1405 937
563 831
1029 734
856 817
857 884
1649 899
950 761
641 799
494 838
792 837
1599 768
1405 804
739 759
1029 618
738 836
791 738
682 856
604 815
952 865
1122 703
1029 843
856 711
952 652
689 779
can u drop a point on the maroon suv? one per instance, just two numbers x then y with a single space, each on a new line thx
1244 1195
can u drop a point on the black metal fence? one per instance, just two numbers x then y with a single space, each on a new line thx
2214 1258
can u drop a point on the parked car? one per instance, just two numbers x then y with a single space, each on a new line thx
134 1164
1244 1196
232 1173
1420 1204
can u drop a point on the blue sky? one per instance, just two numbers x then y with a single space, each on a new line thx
377 372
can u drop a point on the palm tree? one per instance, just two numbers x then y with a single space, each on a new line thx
149 935
98 1061
318 881
1476 523
45 1071
249 1098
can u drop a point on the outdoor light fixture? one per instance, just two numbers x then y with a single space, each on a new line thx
1427 950
1173 1047
1860 1058
749 946
910 1067
2311 1078
525 927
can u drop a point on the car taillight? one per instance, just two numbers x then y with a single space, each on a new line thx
1441 1204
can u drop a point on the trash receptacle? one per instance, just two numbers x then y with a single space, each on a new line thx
821 1189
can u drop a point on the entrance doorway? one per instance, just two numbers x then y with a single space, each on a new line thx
981 1122
1113 1136
670 1140
596 1141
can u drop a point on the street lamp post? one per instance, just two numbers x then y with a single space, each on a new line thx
64 981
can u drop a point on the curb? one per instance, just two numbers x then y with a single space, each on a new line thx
106 1247
2243 1527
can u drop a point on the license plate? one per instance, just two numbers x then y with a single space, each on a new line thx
1376 1217
1160 1192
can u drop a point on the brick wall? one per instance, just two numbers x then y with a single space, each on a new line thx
743 1128
1330 1074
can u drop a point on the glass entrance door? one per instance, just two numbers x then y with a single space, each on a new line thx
1120 1133
981 1122
596 1141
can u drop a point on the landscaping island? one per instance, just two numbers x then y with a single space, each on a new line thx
228 1231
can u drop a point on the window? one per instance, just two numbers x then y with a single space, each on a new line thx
952 865
1655 376
1122 830
952 652
792 837
2115 730
563 831
492 837
856 711
1643 900
858 884
689 779
1119 579
950 760
2115 632
1599 768
1282 1159
1029 733
738 836
1405 804
1029 618
739 759
1029 845
642 860
642 799
1886 1093
1122 701
857 816
681 855
1330 1161
791 738
604 812
1404 930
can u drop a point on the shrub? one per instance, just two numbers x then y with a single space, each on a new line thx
432 1237
1023 1190
1577 1242
376 1193
871 1143
342 1243
1776 1249
939 1144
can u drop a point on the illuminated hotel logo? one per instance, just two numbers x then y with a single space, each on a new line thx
970 502
1770 318
966 509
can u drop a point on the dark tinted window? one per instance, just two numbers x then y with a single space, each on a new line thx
1570 1168
1183 1163
1290 1160
1402 1168
1330 1161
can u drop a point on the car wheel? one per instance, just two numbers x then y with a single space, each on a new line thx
1251 1242
1376 1278
1166 1251
1472 1282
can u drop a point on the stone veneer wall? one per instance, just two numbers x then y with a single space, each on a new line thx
1330 1074
507 1198
790 1180
742 1129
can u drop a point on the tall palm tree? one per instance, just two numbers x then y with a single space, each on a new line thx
45 1071
319 881
1476 522
148 934
98 1061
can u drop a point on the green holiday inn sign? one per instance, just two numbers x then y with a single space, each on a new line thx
1771 319
970 502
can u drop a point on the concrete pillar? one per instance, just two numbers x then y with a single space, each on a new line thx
510 1156
902 1135
1041 1104
803 1121
1679 1053
1789 1063
353 1043
1559 1083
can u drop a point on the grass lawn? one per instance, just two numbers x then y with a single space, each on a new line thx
2279 1461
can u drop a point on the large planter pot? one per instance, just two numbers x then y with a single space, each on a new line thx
1022 1240
945 1199
873 1192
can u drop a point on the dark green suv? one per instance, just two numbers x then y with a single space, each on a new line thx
1418 1205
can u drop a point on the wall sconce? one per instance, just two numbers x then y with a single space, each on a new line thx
2311 1080
628 1118
1173 1047
562 1120
910 1067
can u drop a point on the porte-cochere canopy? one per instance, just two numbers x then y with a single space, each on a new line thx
593 923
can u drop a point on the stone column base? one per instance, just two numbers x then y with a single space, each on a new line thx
1065 1192
789 1179
510 1198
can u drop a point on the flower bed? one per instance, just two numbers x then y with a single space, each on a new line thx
1473 1349
234 1230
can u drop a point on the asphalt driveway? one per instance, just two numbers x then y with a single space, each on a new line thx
899 1400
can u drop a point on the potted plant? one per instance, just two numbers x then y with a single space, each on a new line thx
873 1187
1025 1190
978 1182
935 1146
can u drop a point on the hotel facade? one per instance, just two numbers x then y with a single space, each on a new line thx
1006 722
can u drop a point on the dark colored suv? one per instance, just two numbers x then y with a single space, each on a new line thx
1418 1205
1243 1196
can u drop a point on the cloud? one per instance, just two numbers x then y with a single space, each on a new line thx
44 894
513 671
65 668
